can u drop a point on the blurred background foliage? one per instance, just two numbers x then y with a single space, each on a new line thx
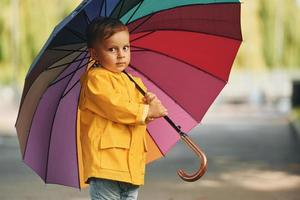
271 34
270 29
25 26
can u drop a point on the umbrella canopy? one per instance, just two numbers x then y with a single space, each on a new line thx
182 50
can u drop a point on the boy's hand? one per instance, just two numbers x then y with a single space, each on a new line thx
149 119
149 96
156 109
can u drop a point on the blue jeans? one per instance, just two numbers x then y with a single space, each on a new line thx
106 189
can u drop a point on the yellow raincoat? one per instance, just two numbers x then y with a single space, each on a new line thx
112 126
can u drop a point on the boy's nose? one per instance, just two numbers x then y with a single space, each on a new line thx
121 54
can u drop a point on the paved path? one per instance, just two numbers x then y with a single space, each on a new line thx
252 154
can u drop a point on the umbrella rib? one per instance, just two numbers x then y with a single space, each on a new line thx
65 93
77 34
114 9
152 14
86 17
21 103
190 31
46 176
122 4
143 22
105 4
136 50
186 30
78 170
27 139
81 65
100 8
142 36
62 59
63 56
151 50
61 65
71 50
32 121
140 3
164 91
158 11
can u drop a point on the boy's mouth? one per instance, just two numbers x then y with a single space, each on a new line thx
119 63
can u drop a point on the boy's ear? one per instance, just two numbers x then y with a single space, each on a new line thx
93 53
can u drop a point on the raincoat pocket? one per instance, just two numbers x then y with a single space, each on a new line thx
115 135
113 149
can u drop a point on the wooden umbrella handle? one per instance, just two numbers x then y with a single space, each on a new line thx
203 161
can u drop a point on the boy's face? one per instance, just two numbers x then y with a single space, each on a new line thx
114 52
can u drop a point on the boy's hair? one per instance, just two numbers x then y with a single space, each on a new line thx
102 28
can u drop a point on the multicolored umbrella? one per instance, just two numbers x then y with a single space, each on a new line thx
182 50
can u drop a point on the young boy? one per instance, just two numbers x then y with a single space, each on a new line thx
113 115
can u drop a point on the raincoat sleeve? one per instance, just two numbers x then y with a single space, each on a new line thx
102 99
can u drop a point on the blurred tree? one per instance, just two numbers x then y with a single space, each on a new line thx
5 42
280 32
291 22
270 29
250 54
36 19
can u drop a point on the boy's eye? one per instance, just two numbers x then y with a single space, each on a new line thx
112 49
